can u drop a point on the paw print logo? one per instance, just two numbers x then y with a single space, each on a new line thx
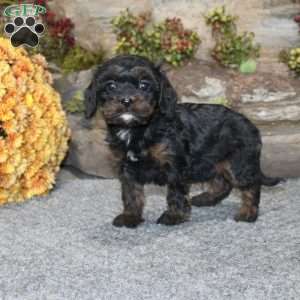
24 31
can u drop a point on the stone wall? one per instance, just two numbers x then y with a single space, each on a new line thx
271 20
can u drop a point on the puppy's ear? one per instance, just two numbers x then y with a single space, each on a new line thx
168 96
90 99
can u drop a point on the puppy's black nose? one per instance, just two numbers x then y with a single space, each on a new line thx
126 101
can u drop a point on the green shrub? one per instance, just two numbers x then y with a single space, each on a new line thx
76 104
221 101
231 49
220 22
248 66
68 59
79 58
168 40
130 31
292 59
52 48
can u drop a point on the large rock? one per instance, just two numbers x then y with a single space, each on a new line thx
211 89
68 85
262 97
88 150
281 150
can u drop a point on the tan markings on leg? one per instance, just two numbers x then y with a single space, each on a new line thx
247 212
224 168
250 201
215 186
218 189
160 153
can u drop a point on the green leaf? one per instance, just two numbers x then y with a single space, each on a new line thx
248 67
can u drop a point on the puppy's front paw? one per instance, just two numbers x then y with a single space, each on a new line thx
168 218
130 221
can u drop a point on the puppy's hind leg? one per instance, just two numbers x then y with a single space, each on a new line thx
250 203
179 208
218 190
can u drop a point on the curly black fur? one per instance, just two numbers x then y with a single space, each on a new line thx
159 141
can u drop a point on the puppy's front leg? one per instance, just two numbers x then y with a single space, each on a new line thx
179 207
133 202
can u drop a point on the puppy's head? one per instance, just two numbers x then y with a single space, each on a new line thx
130 90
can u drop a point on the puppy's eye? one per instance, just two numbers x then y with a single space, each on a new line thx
144 85
111 85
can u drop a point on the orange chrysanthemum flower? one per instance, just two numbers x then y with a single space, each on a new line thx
33 128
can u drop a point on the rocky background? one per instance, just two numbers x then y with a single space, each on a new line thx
270 97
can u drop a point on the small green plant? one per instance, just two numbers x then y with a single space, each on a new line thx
130 31
292 59
76 104
231 49
78 58
168 40
174 43
221 101
248 66
68 59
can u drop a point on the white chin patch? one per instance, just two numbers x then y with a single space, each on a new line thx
127 117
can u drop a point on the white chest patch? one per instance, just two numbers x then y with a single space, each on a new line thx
131 156
124 135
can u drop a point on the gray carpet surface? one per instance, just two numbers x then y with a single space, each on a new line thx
63 246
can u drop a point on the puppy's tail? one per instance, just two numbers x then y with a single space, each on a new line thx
270 181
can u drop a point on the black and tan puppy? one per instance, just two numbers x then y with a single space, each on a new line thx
161 142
